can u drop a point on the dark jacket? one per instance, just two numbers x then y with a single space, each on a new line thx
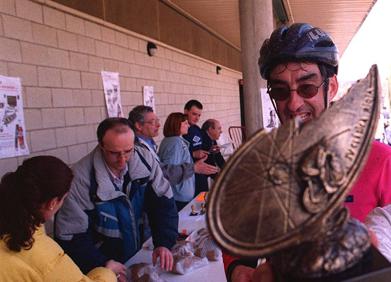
194 137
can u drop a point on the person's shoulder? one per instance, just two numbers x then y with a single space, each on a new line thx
205 136
379 213
380 150
82 168
44 253
194 129
139 145
377 145
144 152
170 142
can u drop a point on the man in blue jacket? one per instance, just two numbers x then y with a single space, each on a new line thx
101 221
193 110
145 125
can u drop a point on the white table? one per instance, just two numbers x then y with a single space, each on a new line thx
214 271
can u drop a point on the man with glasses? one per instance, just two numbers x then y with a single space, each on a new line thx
101 221
146 126
300 65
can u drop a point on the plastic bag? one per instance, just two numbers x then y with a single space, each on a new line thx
186 264
144 272
204 246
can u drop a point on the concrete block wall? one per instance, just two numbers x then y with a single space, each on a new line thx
59 54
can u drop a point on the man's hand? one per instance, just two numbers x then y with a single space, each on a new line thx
202 168
199 154
118 268
242 273
166 259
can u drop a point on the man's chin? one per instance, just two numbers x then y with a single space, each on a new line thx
120 168
304 118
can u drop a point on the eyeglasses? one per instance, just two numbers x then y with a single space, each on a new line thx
306 91
125 154
153 122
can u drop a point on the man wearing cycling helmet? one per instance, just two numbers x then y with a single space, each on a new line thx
300 64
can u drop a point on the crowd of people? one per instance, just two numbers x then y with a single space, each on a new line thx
128 188
113 199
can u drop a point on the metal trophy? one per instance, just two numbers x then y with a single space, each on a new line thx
281 194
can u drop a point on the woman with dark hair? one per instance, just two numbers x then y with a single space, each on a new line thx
30 196
174 150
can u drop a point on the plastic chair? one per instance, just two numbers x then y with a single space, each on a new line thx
237 135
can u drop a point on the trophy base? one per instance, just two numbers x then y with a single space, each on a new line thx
372 267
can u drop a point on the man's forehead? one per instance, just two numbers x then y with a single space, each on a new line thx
194 109
295 68
150 115
116 134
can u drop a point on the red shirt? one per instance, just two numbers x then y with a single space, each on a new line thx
373 186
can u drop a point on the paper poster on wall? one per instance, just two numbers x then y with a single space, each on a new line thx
149 98
112 93
12 127
270 118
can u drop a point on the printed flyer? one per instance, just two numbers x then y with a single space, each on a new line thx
112 93
12 127
149 99
270 119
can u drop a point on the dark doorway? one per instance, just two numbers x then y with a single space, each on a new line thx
241 99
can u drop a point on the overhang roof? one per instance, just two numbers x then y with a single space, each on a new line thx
340 18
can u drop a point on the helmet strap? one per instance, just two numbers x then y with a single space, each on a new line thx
326 93
275 108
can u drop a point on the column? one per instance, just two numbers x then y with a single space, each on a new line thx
256 24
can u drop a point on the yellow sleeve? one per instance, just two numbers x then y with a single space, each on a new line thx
66 270
102 274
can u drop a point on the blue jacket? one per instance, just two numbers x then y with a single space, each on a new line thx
99 221
173 173
175 151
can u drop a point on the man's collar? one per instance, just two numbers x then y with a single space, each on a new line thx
150 142
146 138
207 133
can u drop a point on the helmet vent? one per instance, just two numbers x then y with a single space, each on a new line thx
283 34
324 43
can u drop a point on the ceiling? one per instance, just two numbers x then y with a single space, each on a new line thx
340 18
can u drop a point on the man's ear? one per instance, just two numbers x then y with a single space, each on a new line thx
138 126
333 87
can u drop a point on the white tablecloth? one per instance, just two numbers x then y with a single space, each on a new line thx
214 271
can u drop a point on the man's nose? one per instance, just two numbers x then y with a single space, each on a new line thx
295 101
123 159
123 156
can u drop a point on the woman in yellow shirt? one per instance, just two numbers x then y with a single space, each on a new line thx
30 196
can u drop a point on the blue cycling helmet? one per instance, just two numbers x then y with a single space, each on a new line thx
299 42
